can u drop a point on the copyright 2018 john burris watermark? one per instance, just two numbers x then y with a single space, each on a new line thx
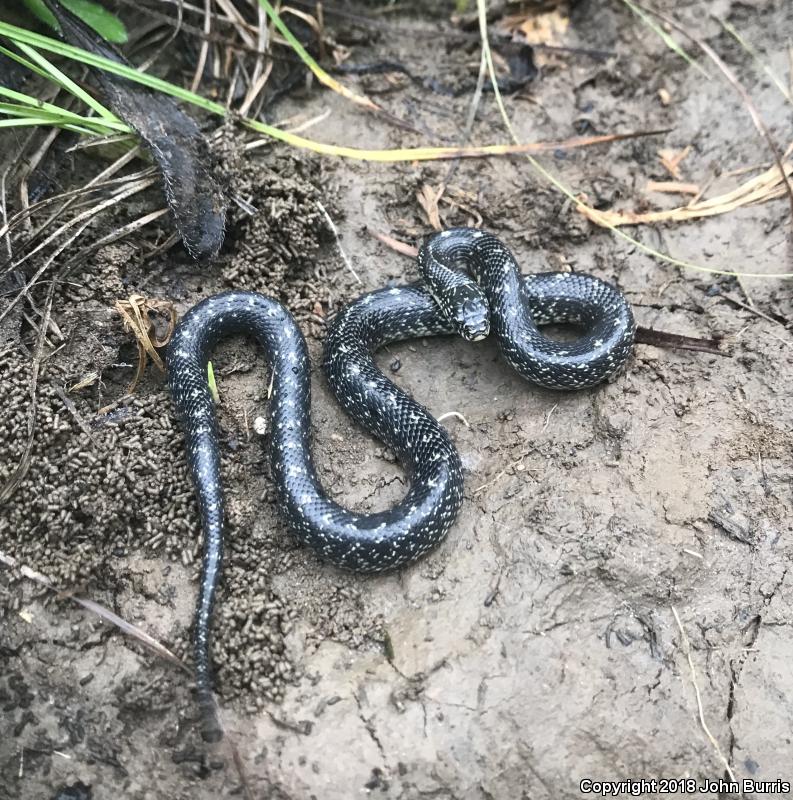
685 786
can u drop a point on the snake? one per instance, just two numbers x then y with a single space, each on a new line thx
472 287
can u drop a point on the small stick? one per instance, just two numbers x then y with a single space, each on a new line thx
735 301
673 187
202 53
676 341
403 248
548 417
97 608
503 472
72 409
335 232
4 213
455 414
702 722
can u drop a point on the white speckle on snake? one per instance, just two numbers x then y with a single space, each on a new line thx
498 300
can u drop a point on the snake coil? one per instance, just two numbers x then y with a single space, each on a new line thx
490 295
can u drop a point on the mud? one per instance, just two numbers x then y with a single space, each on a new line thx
540 644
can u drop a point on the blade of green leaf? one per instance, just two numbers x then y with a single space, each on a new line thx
34 122
34 68
62 117
107 25
309 61
65 81
38 104
21 35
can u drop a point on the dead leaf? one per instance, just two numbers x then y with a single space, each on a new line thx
428 199
541 27
90 379
135 313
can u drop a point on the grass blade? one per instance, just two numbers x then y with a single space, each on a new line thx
581 206
756 56
63 80
308 60
37 40
26 105
667 39
33 122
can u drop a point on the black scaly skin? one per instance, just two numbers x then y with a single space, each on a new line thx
375 542
519 303
461 300
360 542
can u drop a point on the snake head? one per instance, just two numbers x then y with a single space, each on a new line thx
472 318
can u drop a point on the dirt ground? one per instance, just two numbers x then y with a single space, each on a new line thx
622 553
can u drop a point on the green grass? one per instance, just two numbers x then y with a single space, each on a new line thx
32 44
107 25
24 110
21 110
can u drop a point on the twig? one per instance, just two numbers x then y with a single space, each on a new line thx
548 417
87 189
235 754
455 414
175 30
334 230
97 180
673 187
504 471
238 21
403 248
702 722
471 118
32 164
202 53
736 302
115 235
4 212
98 609
72 409
24 462
759 189
676 341
83 221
